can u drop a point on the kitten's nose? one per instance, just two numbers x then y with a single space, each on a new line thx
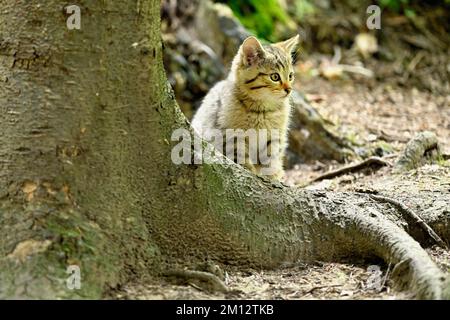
287 88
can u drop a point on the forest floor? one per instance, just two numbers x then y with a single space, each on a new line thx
321 280
369 112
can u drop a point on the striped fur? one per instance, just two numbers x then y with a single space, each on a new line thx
255 95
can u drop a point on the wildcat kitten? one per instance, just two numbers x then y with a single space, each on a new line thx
255 95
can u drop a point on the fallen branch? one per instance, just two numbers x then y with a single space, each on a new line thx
352 168
412 215
334 69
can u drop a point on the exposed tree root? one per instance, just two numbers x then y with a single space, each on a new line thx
353 167
415 150
410 214
329 226
415 270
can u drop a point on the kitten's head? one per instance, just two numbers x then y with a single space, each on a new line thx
265 72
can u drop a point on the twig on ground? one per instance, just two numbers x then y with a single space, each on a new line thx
388 137
193 285
353 168
357 69
411 214
333 68
189 275
383 285
322 287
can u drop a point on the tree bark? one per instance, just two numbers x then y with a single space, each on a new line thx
87 179
77 145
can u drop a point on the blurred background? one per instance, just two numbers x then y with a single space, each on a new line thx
360 92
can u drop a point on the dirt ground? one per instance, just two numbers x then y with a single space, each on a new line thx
372 113
317 281
367 112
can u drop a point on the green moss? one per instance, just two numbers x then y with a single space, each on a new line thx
442 162
80 242
353 138
43 275
384 146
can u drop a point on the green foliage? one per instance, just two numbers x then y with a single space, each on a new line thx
405 6
399 6
394 5
259 16
266 18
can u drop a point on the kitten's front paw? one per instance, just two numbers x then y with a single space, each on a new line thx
277 176
250 167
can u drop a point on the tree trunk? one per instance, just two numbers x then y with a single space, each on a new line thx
78 143
87 178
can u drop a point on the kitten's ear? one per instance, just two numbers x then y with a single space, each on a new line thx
252 51
290 45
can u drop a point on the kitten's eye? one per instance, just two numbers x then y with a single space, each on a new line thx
275 77
291 76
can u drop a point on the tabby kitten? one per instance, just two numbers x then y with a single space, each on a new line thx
255 95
